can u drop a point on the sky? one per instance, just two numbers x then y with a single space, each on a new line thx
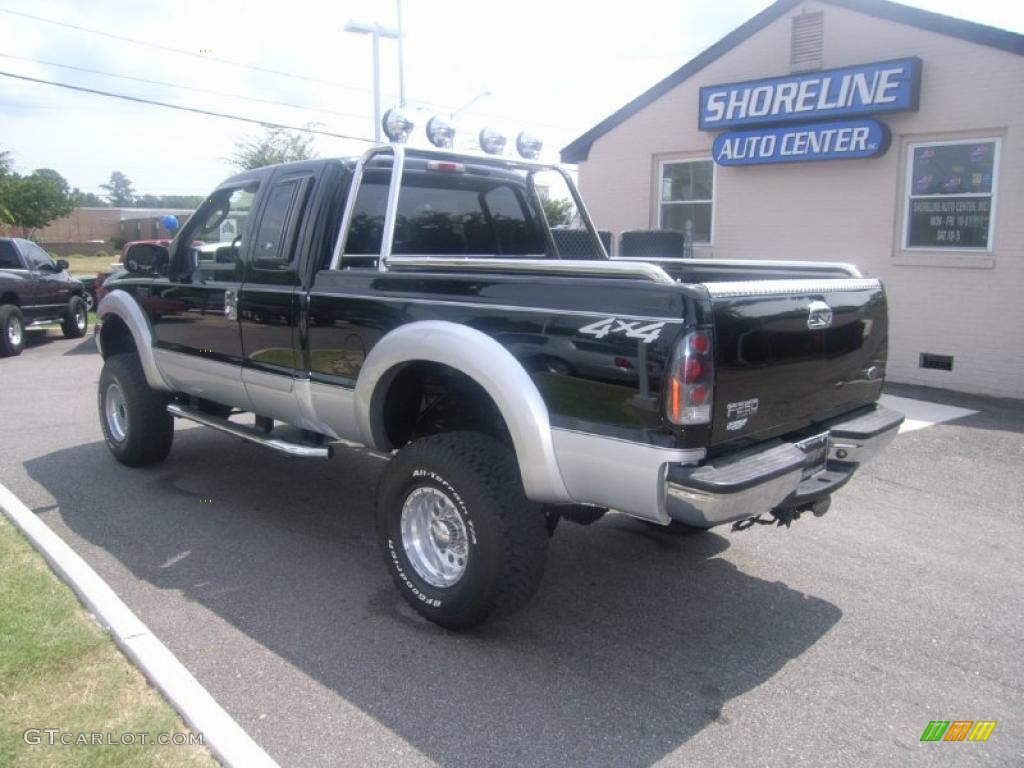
552 68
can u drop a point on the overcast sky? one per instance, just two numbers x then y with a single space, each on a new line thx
555 68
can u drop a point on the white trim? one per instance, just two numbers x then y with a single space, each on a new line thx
221 734
658 202
908 196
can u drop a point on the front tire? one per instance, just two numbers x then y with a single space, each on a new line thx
462 541
136 425
76 321
12 331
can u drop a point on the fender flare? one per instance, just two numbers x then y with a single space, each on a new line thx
123 305
490 365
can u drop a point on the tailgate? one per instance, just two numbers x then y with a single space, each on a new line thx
793 352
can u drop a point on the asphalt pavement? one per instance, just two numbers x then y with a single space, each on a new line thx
832 643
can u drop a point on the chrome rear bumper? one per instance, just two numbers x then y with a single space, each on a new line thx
780 475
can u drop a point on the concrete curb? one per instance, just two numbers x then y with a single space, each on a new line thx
221 734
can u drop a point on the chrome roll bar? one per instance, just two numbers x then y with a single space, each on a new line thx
399 152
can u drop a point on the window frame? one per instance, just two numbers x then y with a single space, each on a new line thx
662 162
303 185
908 195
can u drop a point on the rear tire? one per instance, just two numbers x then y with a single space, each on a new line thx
136 425
462 541
12 331
76 321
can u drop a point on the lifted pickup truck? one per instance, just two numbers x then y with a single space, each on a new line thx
36 290
417 303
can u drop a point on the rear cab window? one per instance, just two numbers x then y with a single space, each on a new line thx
447 215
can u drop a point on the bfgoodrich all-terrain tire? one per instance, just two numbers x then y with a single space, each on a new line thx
12 331
461 539
136 425
76 321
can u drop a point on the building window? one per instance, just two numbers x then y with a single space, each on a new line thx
687 194
951 194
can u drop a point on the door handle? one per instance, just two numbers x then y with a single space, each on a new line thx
231 305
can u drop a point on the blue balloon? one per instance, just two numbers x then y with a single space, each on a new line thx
169 222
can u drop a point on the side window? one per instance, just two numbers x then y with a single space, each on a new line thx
220 227
270 249
9 255
36 257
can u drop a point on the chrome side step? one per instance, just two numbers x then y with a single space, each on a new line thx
287 447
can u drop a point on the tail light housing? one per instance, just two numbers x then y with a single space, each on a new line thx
691 380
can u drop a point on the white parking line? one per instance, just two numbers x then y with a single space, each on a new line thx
921 413
221 734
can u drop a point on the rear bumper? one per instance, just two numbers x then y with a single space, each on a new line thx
777 475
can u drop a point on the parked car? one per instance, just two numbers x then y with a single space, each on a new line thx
407 300
36 290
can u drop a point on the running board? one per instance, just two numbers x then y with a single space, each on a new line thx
287 447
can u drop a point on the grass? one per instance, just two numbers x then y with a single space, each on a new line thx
90 265
58 669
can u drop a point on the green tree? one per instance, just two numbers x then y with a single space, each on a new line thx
31 202
82 199
119 190
276 145
558 211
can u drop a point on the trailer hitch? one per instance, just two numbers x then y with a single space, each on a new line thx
785 515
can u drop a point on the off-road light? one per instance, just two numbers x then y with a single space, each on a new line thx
397 126
440 132
528 145
492 142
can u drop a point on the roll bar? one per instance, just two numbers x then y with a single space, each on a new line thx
400 152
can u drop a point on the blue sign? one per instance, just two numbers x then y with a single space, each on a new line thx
867 89
840 140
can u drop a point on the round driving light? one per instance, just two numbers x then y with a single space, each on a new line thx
397 126
440 132
492 142
528 145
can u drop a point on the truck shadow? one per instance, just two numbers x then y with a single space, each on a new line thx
635 643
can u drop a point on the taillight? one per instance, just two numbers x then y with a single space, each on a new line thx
691 379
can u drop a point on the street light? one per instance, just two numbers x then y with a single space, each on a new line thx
376 32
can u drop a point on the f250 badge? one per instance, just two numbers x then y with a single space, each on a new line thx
739 413
635 329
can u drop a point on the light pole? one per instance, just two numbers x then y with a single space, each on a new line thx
376 32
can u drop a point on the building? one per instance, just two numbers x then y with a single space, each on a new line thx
90 230
846 130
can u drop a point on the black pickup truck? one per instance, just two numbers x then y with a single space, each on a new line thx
418 303
36 290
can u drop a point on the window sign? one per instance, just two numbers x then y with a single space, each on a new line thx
951 194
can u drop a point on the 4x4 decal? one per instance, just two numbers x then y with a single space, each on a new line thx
633 329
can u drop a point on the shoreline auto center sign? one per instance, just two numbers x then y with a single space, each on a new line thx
782 113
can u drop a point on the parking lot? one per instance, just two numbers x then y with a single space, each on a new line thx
832 643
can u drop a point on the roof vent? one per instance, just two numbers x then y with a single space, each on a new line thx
807 42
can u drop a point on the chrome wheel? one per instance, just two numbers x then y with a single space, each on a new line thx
434 536
80 319
14 331
115 410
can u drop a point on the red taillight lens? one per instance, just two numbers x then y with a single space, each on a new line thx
692 370
691 380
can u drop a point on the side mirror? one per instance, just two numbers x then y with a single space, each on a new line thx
146 259
62 264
